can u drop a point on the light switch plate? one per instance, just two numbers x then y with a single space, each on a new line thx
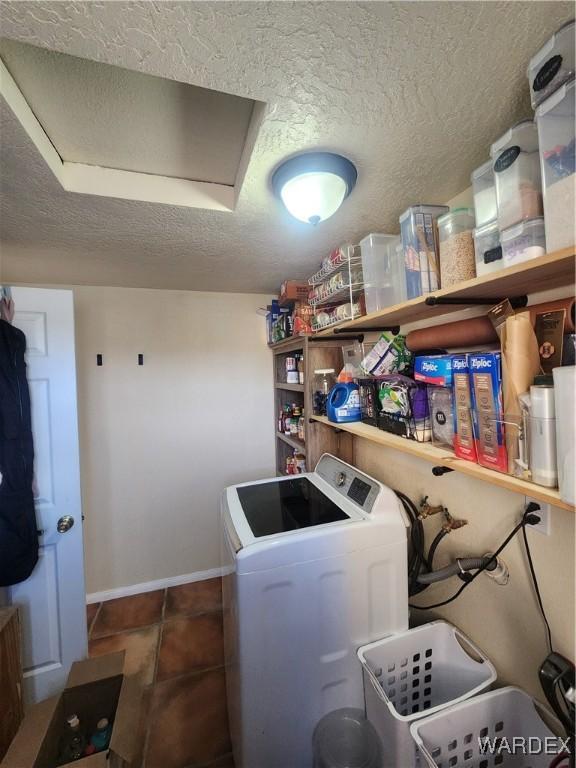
544 513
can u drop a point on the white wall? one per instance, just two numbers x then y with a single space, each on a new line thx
503 620
159 442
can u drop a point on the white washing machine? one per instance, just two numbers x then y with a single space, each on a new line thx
315 566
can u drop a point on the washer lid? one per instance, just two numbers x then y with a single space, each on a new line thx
287 505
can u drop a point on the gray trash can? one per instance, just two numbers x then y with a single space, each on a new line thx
345 739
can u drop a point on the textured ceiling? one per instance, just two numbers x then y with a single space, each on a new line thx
99 114
412 92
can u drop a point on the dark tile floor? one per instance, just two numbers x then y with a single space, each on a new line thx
173 641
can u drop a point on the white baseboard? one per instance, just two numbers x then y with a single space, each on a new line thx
151 586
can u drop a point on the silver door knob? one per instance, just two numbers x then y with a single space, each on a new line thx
65 523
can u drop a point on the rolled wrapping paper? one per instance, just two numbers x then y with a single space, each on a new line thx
477 331
552 306
473 332
520 364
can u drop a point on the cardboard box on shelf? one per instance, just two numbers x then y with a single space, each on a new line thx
95 688
292 290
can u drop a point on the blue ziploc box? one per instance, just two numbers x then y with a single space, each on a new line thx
485 371
464 444
434 369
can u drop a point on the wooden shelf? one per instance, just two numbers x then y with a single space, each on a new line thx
288 345
290 387
554 270
293 442
445 458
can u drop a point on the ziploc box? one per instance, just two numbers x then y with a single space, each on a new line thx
436 372
96 688
464 445
434 369
487 411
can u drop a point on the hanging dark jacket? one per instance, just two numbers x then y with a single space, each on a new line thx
18 533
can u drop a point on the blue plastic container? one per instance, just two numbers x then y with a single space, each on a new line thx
343 403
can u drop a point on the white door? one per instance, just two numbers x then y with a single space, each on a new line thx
53 599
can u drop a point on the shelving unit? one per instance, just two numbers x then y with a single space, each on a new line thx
444 458
290 387
293 442
318 440
554 270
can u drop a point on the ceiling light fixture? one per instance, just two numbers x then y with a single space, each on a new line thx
314 185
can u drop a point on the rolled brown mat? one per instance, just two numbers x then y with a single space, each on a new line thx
463 333
552 306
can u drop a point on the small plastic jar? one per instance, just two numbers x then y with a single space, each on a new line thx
523 242
484 189
488 249
457 261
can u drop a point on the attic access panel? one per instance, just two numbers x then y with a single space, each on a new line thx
172 139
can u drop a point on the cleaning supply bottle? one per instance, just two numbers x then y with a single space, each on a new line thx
343 404
100 739
73 741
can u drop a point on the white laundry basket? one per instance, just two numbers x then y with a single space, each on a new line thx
496 728
415 673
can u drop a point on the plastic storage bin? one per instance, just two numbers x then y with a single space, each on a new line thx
557 137
384 279
487 248
553 65
457 261
345 739
415 673
516 164
479 732
523 242
564 388
484 189
419 234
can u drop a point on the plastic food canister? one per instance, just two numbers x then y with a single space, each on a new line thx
523 242
484 189
419 232
555 119
564 389
383 269
553 65
487 248
516 164
456 247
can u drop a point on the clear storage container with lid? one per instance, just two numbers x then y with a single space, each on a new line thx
487 248
517 173
383 268
456 246
557 136
484 189
553 65
523 242
419 234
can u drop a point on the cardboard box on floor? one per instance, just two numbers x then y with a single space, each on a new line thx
95 688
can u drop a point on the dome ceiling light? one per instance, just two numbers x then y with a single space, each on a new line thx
314 185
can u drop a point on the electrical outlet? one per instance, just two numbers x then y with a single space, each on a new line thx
543 513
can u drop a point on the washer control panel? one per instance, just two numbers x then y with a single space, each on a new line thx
357 487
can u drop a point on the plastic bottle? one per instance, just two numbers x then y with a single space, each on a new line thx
73 741
100 739
287 419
